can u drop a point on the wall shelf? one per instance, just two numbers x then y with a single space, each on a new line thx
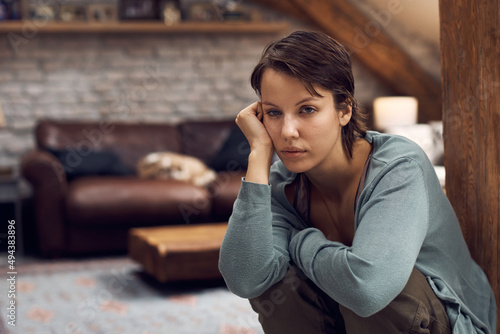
143 27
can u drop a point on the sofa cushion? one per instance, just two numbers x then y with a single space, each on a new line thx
203 139
130 201
93 163
233 153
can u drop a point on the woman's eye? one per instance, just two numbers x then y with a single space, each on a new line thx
308 110
272 112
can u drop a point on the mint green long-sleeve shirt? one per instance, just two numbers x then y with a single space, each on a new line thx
403 220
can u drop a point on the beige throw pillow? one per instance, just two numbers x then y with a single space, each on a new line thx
170 165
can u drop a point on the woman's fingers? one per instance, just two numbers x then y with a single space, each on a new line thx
250 122
260 112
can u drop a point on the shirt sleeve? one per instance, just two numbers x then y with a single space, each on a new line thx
393 222
254 252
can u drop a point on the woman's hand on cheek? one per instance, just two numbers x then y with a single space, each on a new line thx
261 146
249 121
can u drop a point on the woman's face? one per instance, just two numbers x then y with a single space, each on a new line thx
305 129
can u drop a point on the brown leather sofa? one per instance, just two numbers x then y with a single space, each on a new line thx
86 192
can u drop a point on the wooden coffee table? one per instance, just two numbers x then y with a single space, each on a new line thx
178 252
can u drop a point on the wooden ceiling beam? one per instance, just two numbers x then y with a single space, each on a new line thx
365 40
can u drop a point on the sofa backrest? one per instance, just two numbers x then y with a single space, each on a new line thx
204 139
132 141
128 141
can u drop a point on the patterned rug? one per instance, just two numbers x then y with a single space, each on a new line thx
113 295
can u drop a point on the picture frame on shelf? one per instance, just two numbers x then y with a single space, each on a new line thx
138 10
202 12
4 12
14 7
98 13
10 10
73 13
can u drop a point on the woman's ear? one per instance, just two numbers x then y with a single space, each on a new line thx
345 115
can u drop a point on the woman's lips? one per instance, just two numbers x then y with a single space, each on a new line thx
291 153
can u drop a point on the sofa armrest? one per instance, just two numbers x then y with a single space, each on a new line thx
48 178
40 167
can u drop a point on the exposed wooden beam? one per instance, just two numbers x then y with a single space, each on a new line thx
366 41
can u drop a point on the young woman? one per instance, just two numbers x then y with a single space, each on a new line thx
350 232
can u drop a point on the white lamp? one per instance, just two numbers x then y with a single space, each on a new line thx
392 111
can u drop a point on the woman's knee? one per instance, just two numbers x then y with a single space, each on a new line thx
293 305
415 310
282 293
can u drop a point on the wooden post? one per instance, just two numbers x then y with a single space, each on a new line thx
470 58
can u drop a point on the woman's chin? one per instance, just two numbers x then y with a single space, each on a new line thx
295 167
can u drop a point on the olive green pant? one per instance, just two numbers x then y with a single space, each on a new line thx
297 305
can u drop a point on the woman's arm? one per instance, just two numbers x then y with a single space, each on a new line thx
392 226
254 253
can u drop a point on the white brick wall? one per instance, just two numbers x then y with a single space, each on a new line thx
131 77
139 77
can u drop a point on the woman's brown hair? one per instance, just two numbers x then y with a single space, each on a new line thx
316 60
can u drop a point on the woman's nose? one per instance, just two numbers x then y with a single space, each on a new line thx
289 129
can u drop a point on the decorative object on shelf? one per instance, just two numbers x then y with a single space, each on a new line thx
232 10
102 13
42 12
138 10
170 12
394 111
202 12
73 13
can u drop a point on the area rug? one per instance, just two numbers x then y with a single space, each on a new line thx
114 295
